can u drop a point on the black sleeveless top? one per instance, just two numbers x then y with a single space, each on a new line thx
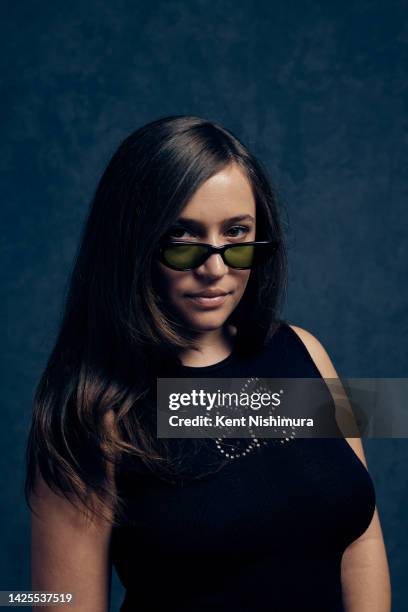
266 532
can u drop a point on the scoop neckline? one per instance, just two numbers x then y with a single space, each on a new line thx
213 366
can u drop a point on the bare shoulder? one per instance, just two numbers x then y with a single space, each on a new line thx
317 352
326 368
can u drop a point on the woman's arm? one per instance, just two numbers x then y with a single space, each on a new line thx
364 570
68 553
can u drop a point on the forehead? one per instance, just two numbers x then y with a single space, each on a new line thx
226 194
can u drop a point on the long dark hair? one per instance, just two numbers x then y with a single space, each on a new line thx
116 329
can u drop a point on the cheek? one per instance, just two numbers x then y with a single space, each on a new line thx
243 279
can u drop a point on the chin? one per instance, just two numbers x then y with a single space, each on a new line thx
207 322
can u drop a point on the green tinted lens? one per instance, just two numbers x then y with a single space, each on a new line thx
240 256
183 256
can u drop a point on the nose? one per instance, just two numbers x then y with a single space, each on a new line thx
213 267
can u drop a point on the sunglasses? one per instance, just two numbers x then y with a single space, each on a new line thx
183 255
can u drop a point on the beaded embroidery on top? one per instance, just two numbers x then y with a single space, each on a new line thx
231 450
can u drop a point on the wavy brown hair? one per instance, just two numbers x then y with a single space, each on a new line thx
116 330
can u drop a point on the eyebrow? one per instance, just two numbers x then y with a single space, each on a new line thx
197 224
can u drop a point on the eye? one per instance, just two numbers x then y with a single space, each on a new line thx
177 232
244 228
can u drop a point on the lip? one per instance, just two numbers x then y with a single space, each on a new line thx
208 302
208 293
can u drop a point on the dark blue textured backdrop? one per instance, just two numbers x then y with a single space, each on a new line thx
316 89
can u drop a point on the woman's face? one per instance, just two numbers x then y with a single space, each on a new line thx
222 211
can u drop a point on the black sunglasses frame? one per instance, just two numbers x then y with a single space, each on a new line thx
219 250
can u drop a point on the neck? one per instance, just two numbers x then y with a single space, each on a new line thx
210 347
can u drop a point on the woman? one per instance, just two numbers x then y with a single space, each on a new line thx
272 524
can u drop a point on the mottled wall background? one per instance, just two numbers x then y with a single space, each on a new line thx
317 89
